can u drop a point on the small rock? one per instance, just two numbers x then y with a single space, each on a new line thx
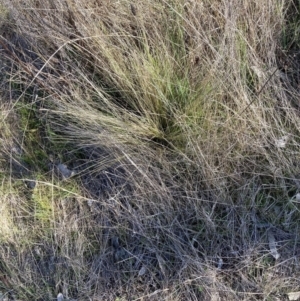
60 297
90 202
142 271
17 150
220 264
30 184
294 296
65 172
281 143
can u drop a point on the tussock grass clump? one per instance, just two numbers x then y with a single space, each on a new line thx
177 126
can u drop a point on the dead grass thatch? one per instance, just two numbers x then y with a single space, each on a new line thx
149 150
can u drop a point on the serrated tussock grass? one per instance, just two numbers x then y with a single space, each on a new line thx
179 121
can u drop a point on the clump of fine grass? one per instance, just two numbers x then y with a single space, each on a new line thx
176 117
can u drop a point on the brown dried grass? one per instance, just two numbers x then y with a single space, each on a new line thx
171 113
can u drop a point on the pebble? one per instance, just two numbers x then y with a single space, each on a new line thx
65 172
